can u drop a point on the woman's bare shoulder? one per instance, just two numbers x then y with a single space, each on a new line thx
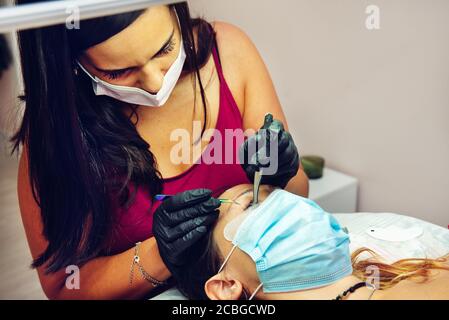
236 49
234 45
435 288
229 32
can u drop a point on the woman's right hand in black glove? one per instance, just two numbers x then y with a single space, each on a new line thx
180 221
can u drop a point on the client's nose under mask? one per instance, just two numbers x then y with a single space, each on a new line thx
294 243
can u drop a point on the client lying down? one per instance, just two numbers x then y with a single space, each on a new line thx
287 247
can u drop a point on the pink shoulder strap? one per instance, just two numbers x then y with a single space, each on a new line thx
217 61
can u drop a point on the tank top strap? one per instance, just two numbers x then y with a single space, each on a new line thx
229 115
217 61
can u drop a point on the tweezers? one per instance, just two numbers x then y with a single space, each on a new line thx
258 174
256 185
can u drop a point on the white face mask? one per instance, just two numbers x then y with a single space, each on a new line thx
139 96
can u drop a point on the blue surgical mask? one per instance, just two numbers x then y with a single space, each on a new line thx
294 243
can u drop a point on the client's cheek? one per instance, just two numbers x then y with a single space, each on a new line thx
246 268
234 211
224 208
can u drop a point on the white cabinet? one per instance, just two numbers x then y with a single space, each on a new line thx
335 192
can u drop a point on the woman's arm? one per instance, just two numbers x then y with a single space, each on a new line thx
100 278
108 277
299 184
435 288
259 92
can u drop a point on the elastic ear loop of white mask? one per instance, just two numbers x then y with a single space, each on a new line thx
226 261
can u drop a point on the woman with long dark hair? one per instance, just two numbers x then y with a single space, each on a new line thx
101 104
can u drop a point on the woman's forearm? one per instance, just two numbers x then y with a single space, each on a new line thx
108 277
299 184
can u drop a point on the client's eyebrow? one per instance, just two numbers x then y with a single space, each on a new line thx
238 196
244 192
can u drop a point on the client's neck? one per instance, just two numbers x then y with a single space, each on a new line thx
323 293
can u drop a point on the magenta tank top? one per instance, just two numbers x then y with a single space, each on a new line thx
135 223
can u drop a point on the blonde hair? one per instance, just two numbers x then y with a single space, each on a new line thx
414 269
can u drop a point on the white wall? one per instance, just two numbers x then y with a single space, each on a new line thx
375 104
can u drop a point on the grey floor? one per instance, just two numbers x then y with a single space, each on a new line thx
17 280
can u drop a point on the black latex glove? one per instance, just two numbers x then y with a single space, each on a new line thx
288 156
179 222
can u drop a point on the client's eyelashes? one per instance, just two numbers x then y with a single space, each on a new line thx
249 205
248 202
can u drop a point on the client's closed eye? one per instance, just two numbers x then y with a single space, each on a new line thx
250 204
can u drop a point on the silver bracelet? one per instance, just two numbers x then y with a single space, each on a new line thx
145 275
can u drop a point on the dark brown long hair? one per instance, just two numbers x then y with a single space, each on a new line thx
83 151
